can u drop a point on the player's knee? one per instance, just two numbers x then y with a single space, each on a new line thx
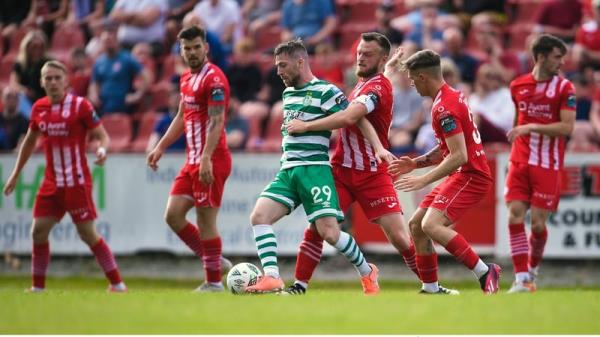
258 217
538 224
88 234
39 234
415 227
429 227
516 214
174 220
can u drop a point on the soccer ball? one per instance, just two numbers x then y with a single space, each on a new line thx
241 276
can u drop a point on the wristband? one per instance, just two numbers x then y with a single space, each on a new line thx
101 152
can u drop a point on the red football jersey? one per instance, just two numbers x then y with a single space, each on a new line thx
541 103
64 128
208 87
450 115
588 35
353 150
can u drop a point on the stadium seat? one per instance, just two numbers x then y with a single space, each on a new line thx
168 68
349 33
64 39
268 38
15 40
147 121
272 141
119 128
159 96
6 64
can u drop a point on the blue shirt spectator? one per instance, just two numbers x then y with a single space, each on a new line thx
115 77
161 128
311 20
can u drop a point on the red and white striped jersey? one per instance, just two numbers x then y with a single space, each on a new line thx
64 128
208 87
541 103
353 149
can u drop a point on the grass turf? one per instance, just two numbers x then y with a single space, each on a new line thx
81 306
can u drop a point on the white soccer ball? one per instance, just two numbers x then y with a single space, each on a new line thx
241 276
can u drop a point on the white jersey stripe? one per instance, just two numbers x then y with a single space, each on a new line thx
80 178
534 140
545 151
344 139
307 139
358 157
200 77
198 141
190 142
57 161
68 165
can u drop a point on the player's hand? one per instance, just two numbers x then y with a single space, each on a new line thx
100 156
402 165
383 155
410 183
206 171
517 131
296 126
394 60
9 187
153 158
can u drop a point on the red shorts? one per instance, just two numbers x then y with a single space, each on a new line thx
187 183
76 200
535 185
455 195
374 191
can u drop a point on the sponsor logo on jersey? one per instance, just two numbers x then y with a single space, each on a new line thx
571 101
448 124
217 94
307 99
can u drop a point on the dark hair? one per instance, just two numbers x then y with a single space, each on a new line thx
293 48
192 33
545 44
422 59
381 40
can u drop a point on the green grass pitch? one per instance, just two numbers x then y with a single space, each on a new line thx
81 306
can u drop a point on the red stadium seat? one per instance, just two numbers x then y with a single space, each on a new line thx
64 39
268 38
6 65
15 40
350 33
147 121
119 128
159 96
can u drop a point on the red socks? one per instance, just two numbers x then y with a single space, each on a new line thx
40 258
190 235
427 266
309 255
537 241
462 251
519 248
409 256
211 257
106 260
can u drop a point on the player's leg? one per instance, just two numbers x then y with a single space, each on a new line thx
266 212
436 226
426 257
329 230
311 247
519 247
104 256
40 257
537 239
211 248
517 197
394 228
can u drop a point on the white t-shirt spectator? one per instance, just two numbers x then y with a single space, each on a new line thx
134 34
497 107
217 18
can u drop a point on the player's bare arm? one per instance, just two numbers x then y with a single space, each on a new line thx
406 164
368 131
25 152
100 134
173 132
393 65
341 119
457 157
216 124
557 129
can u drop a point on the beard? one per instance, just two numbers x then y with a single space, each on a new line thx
195 63
292 81
368 72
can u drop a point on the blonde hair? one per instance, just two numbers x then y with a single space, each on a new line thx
55 65
23 57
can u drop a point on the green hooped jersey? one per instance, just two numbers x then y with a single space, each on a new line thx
317 99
